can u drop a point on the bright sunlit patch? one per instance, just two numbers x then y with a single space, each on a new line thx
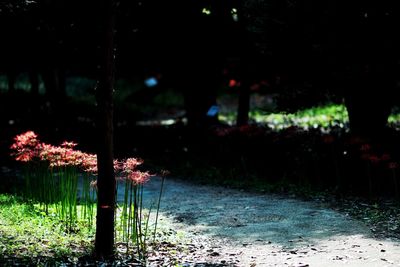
206 11
166 122
151 82
234 14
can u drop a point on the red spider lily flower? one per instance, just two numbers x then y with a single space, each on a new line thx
46 151
50 153
93 184
130 164
355 140
374 159
328 139
255 87
28 138
55 155
27 154
26 147
73 157
233 83
118 169
222 131
365 156
393 165
25 157
138 177
385 157
89 163
63 155
118 165
365 147
165 173
245 128
67 144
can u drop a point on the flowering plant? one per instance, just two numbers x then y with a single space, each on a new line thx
56 185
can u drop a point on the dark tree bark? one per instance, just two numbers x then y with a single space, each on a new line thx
104 244
54 81
369 108
12 77
367 52
244 102
244 55
34 79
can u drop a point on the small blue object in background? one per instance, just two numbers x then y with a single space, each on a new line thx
151 82
213 111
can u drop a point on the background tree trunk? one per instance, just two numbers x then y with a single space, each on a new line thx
12 77
104 244
244 102
34 79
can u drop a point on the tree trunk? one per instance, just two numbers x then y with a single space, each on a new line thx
245 53
12 77
104 243
34 79
54 82
244 102
369 108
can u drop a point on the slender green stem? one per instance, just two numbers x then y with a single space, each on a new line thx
395 184
158 207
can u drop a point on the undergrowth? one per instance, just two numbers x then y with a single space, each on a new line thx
29 236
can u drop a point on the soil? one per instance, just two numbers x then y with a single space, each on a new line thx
203 225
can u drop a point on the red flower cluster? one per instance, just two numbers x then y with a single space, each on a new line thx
27 148
393 165
328 139
374 158
59 156
89 163
129 171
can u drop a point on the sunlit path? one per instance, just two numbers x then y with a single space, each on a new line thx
241 228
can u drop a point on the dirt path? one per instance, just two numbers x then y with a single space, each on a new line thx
219 226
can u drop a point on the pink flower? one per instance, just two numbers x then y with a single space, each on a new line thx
385 157
138 177
374 159
60 156
365 156
365 147
165 173
393 165
131 174
25 157
328 139
67 144
355 140
93 184
118 165
130 164
89 163
220 131
28 138
26 147
232 83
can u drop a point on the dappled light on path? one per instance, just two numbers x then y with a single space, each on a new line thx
268 229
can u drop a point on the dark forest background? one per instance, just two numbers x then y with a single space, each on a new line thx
305 53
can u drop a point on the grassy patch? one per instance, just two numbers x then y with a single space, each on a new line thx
29 236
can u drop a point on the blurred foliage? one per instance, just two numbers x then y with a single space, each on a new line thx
322 117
